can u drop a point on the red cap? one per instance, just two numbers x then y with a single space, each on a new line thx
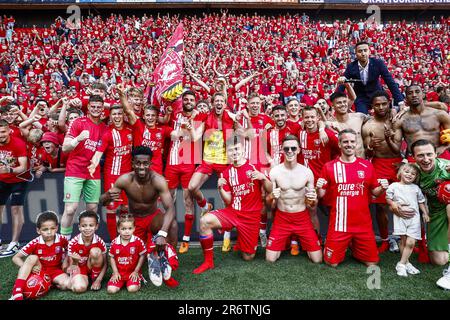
50 137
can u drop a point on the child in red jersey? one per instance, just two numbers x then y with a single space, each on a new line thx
87 254
44 261
127 254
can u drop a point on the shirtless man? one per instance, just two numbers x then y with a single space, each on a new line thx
143 187
420 122
347 120
386 157
293 196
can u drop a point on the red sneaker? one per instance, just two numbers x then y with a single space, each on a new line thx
383 247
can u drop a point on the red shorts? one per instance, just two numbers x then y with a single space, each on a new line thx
364 246
208 168
246 223
108 183
50 273
180 173
287 224
143 228
125 280
385 168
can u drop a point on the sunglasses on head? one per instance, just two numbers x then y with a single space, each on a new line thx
286 149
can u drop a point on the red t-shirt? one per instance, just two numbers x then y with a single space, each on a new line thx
313 154
246 193
350 186
80 157
127 256
9 155
153 138
117 146
59 161
76 245
49 256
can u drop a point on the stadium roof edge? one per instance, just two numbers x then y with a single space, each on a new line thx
221 5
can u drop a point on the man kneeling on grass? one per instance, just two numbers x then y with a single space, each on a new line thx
240 188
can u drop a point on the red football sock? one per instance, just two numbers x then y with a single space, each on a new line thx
188 222
111 225
202 203
18 286
172 257
384 233
207 243
263 222
171 283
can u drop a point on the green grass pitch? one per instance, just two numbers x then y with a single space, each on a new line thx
291 278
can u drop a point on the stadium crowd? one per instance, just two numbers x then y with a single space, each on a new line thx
260 94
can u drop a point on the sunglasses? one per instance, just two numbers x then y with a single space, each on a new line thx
287 149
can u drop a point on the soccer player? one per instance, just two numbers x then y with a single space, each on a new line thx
240 188
347 120
116 143
143 187
13 161
87 255
385 157
314 153
127 254
351 181
293 196
432 171
42 257
81 141
255 127
213 127
181 162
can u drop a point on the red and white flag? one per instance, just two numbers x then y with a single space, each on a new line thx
168 74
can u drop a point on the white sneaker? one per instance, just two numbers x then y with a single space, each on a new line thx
411 269
154 269
444 282
11 250
401 269
393 245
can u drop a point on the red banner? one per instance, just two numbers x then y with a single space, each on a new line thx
168 74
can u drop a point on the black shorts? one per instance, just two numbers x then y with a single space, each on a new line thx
17 191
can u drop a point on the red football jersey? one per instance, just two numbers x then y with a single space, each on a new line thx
153 138
59 161
49 256
275 139
9 155
76 245
246 193
179 149
255 147
80 157
313 153
117 146
350 185
127 256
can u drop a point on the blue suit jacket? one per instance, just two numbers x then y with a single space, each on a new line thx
377 69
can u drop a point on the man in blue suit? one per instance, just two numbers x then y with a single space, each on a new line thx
369 71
